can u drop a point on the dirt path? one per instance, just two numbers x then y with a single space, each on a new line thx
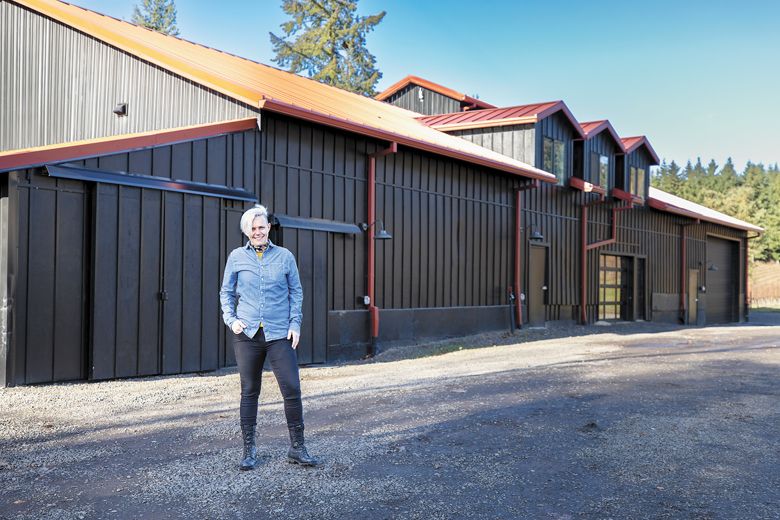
618 424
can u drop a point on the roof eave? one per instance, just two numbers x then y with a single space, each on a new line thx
336 122
671 208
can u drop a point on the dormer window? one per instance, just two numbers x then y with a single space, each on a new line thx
599 169
637 180
554 158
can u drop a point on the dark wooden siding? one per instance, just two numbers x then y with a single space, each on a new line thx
557 126
516 141
94 258
431 103
603 144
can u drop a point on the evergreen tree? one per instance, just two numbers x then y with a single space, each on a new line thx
326 39
157 15
728 176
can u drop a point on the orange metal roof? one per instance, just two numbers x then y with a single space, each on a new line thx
593 128
493 117
632 143
271 89
663 201
17 159
430 85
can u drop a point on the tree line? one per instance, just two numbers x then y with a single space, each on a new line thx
752 195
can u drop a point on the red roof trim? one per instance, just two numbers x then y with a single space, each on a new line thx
587 187
29 157
632 143
492 117
291 110
591 129
430 85
626 196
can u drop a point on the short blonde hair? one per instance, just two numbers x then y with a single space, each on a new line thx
250 215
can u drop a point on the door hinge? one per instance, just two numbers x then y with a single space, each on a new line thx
162 295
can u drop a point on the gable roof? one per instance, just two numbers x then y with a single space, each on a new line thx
593 128
430 85
272 89
633 143
493 117
669 203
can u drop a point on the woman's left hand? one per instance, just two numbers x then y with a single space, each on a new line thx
295 337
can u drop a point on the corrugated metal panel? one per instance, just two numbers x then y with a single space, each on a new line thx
428 103
59 85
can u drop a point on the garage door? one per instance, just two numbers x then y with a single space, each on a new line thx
722 280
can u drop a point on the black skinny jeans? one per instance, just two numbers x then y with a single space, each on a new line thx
250 357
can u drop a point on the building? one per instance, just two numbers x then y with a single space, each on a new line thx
127 157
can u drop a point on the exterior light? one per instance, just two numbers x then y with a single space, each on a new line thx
379 235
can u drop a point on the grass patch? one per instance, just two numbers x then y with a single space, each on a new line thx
765 309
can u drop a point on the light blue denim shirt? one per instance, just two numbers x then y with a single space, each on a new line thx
266 291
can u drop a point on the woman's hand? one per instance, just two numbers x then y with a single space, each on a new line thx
295 337
238 327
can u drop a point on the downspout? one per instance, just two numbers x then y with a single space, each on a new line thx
747 275
585 247
519 299
373 310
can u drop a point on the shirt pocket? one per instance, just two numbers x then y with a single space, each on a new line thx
275 271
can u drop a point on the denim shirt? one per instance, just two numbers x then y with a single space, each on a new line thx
266 291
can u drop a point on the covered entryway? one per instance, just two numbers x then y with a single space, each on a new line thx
722 280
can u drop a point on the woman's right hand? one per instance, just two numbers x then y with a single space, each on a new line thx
238 327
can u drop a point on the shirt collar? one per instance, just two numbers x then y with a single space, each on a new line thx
249 245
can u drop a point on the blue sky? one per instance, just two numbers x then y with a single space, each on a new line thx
699 78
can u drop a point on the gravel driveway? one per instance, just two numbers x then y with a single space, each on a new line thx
629 421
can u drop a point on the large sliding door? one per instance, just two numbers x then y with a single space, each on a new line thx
615 287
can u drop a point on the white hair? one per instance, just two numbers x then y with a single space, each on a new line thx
249 217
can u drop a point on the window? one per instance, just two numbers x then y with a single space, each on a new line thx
604 171
640 182
599 169
637 181
554 158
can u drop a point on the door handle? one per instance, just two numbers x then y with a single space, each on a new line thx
544 287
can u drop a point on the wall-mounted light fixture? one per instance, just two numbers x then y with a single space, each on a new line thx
120 109
535 234
379 235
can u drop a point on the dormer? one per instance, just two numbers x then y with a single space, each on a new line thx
639 157
598 155
540 134
428 98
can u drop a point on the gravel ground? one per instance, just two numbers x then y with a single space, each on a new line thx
628 421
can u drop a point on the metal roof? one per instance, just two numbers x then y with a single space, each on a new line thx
28 157
593 128
430 85
272 89
663 201
632 143
493 117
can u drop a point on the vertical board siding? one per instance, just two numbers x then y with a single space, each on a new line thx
432 102
516 141
603 144
60 85
51 280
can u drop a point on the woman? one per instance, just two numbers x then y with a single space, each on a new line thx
261 299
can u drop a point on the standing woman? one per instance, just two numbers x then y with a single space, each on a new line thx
261 299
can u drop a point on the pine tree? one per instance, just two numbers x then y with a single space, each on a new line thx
326 39
157 15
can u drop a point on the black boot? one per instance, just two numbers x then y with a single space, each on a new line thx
250 451
297 453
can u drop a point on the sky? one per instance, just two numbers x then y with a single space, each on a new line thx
699 78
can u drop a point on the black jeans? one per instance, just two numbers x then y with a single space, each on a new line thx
250 357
